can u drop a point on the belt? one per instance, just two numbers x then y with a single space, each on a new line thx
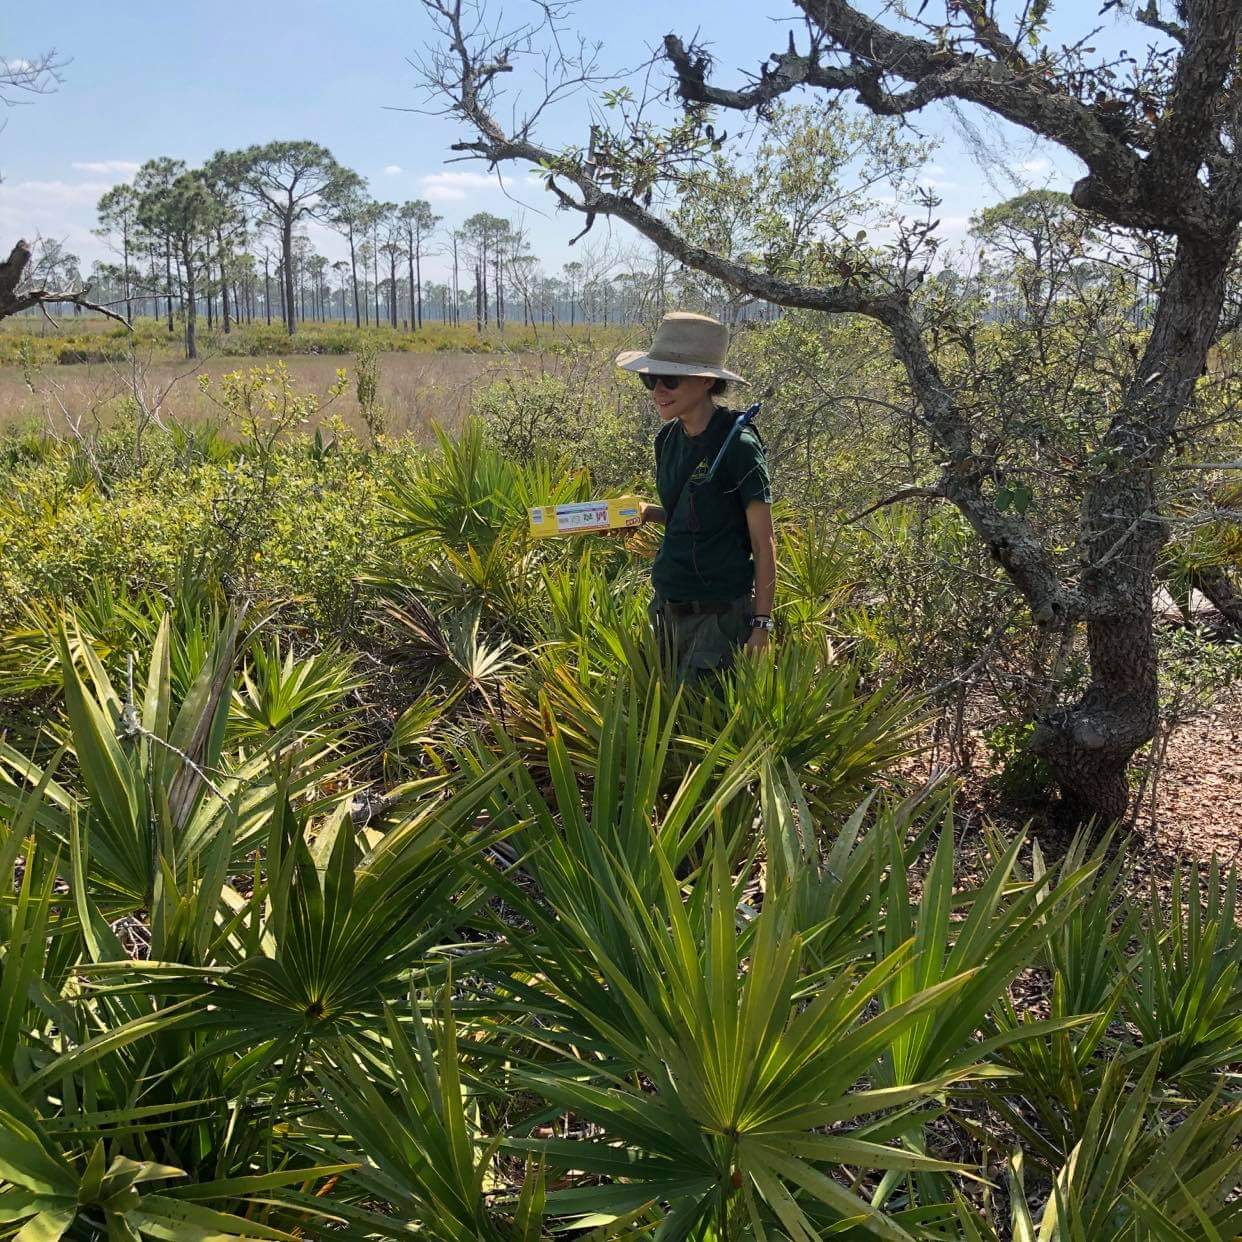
694 608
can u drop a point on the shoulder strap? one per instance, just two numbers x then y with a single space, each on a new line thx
704 453
726 470
662 438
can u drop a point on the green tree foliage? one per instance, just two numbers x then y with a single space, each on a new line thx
288 182
184 212
419 222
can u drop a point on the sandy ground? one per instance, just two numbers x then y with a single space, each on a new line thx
1198 804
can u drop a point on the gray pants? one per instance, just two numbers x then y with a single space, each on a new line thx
701 642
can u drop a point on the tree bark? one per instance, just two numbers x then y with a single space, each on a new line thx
129 305
207 299
353 267
375 271
456 288
286 245
409 258
168 283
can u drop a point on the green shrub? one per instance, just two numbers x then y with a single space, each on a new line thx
366 389
732 1003
298 531
1019 776
547 414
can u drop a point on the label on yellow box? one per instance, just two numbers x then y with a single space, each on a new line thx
586 515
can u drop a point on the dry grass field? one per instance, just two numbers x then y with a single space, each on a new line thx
416 389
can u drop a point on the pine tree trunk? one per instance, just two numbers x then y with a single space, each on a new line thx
224 283
418 280
168 284
129 305
375 273
481 275
456 285
207 299
286 245
353 267
191 311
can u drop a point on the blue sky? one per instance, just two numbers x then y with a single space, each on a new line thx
150 78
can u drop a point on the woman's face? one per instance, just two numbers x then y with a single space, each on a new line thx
689 395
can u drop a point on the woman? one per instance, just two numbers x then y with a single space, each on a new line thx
715 574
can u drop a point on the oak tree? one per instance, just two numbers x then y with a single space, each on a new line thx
1158 139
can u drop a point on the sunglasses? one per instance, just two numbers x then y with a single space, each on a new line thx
669 381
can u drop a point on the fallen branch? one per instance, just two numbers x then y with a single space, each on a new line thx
12 302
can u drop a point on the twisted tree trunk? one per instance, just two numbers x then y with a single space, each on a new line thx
1090 745
1173 169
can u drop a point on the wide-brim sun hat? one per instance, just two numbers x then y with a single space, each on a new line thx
684 344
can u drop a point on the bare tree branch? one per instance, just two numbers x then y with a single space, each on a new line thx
898 497
783 72
14 299
939 72
1010 538
1150 16
1120 183
39 75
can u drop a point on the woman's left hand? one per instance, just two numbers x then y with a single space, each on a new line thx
758 641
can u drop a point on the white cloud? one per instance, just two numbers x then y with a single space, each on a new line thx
18 64
105 168
52 194
1035 166
64 210
953 228
456 187
327 241
392 170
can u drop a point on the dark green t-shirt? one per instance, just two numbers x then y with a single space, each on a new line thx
706 556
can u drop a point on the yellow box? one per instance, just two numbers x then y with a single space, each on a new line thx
584 516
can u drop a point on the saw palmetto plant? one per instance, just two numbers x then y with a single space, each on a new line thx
617 957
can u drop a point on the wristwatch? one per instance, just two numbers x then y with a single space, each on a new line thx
762 623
